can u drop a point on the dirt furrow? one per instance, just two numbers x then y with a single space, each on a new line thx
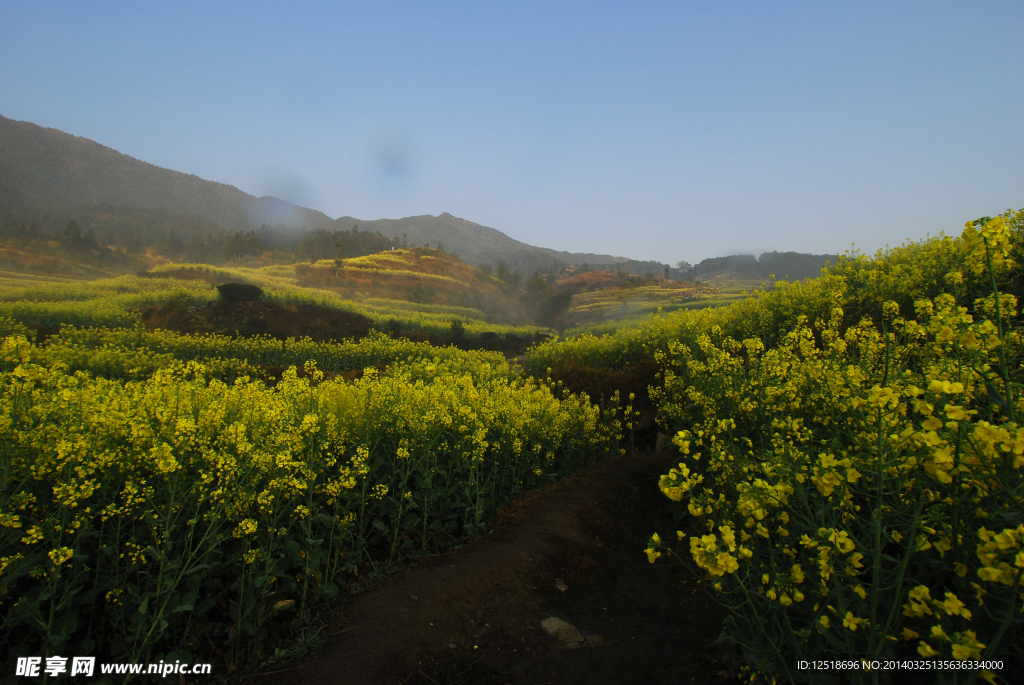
572 551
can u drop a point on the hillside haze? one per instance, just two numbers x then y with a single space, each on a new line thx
49 178
47 175
42 169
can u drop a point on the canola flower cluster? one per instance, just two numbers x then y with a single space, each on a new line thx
135 353
108 302
175 514
859 483
385 304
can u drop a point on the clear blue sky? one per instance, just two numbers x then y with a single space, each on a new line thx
655 130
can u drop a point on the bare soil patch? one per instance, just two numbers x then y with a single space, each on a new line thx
572 551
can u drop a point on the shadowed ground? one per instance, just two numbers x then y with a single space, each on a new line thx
474 616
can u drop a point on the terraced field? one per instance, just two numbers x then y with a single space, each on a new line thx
600 305
360 288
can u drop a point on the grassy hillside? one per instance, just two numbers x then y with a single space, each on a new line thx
421 293
478 244
389 286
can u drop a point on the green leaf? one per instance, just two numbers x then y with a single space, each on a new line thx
65 624
994 394
33 616
206 605
68 596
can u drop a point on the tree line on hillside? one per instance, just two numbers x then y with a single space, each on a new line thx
543 303
790 266
212 247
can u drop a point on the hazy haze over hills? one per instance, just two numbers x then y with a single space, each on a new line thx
43 168
46 175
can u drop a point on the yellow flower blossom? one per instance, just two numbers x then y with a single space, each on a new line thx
852 622
246 527
60 555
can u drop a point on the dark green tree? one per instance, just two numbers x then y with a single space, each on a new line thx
72 233
10 228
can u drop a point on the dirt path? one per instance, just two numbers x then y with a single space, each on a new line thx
475 615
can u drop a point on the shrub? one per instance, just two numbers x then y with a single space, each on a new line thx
239 292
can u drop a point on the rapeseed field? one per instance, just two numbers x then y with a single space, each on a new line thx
162 496
851 456
164 513
849 473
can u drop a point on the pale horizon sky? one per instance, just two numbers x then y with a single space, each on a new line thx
664 131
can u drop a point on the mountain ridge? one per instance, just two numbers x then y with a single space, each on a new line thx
46 168
50 176
35 176
472 241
